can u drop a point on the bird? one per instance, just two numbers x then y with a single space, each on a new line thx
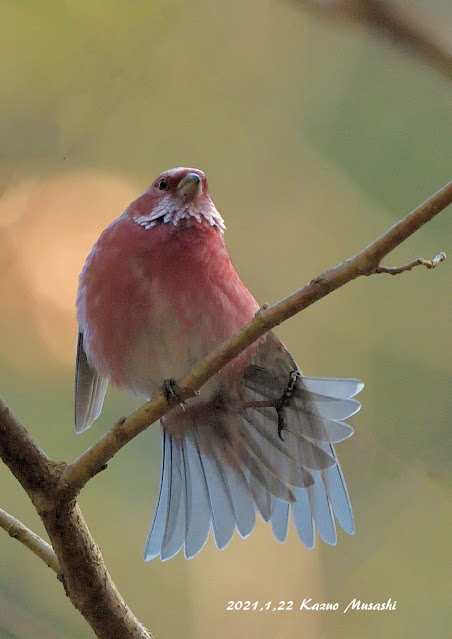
158 292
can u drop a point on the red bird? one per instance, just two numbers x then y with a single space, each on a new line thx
157 294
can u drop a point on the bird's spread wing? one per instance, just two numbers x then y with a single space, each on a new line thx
196 491
312 421
90 389
272 453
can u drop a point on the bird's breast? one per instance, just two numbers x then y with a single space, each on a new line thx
154 302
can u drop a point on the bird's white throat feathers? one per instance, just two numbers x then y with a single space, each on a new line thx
170 212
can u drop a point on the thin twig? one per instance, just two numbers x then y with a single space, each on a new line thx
398 24
17 530
395 270
77 474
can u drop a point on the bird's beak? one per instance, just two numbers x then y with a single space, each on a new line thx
190 186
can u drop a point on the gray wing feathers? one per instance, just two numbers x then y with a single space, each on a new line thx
217 481
321 510
336 490
242 501
197 490
221 509
280 519
173 537
302 517
157 532
312 423
90 389
197 512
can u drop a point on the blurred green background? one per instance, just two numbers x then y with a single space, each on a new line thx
315 137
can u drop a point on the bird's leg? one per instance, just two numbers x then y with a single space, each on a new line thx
283 401
171 391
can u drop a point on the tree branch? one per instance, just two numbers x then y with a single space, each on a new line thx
27 462
77 474
85 577
393 22
17 530
82 568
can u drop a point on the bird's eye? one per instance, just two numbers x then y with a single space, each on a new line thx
163 184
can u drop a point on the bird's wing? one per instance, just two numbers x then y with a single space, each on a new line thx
231 460
198 491
310 422
90 389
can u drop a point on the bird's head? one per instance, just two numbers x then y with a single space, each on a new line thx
176 195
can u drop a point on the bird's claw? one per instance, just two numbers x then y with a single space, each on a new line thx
283 401
280 413
171 391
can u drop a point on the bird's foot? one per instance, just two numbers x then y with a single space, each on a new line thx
171 391
283 401
280 413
